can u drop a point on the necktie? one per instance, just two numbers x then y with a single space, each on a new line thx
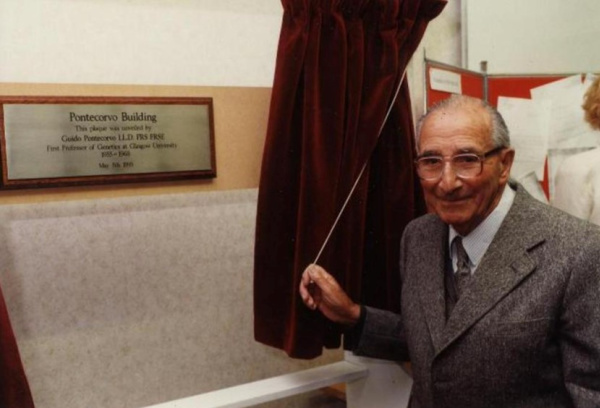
463 270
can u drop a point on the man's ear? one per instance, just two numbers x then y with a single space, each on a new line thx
507 158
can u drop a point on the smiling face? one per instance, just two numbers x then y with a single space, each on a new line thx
463 202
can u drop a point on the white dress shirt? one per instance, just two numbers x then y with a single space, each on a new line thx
478 240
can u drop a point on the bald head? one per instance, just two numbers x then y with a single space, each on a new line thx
477 109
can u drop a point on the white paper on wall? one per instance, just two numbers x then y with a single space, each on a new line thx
445 81
568 128
531 183
528 122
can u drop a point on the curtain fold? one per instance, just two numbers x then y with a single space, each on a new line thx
339 64
14 388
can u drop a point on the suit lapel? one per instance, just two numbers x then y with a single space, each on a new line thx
505 264
430 279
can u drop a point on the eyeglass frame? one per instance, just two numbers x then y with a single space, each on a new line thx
481 158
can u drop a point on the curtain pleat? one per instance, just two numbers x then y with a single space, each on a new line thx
338 66
14 388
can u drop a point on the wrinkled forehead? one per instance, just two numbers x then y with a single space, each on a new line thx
468 121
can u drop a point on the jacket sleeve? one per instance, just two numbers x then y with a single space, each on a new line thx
579 331
380 335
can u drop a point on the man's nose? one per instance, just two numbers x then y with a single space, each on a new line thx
449 180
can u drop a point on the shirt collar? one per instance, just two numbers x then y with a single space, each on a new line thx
478 240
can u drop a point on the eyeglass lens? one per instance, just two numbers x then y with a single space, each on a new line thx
464 165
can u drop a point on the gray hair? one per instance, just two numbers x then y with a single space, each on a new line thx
499 131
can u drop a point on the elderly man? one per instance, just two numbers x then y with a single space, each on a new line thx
500 293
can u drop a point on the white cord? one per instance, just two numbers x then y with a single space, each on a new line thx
361 171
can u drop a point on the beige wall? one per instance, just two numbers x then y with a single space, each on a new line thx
240 116
126 295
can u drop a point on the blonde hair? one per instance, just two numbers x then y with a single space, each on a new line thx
591 104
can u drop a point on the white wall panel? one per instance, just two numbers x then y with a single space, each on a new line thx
134 301
186 42
533 36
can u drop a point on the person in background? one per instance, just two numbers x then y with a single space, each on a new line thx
500 292
577 182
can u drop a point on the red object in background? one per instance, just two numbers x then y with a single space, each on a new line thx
472 83
515 86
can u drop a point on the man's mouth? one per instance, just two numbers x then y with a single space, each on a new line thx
452 200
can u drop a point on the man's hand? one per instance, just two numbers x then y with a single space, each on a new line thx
319 290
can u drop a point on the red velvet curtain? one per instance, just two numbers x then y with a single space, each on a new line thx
339 64
14 388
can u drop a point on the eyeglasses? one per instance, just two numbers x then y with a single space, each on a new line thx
465 165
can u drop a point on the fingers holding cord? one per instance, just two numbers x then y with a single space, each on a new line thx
308 287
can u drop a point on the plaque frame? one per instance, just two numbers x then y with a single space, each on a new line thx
208 146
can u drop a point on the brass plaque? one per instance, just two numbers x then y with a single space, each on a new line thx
62 141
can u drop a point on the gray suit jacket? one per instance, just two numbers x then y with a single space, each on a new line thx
525 333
